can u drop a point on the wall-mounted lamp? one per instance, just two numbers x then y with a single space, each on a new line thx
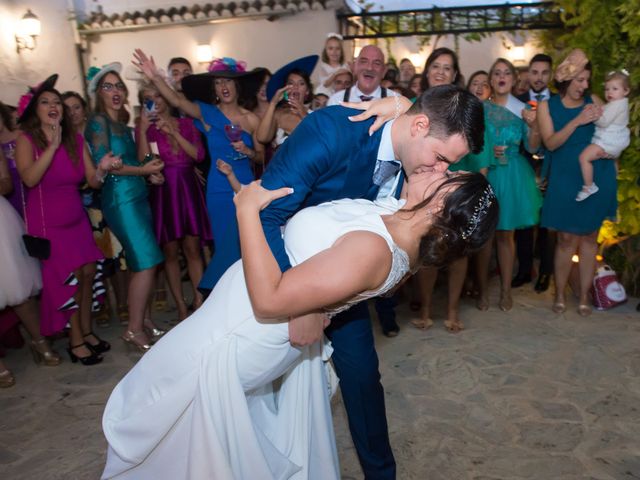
517 54
204 54
27 32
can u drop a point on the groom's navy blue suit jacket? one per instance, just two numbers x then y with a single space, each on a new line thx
327 157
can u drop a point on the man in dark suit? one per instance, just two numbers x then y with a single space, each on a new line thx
539 77
328 157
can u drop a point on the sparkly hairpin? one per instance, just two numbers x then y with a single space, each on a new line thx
479 212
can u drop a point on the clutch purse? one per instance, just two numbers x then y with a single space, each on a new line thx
37 247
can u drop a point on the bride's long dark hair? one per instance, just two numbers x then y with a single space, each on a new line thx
465 223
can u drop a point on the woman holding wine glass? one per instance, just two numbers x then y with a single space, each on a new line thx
216 101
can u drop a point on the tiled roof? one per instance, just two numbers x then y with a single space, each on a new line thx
99 22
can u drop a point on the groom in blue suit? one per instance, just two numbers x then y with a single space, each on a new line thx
328 157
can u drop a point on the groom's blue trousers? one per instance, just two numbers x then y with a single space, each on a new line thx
356 363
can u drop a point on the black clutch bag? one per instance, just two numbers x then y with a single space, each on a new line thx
37 247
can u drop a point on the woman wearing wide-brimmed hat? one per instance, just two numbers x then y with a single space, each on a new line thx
289 90
124 196
53 160
216 101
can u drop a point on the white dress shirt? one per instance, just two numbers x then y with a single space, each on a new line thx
354 96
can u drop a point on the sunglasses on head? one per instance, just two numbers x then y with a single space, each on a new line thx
107 87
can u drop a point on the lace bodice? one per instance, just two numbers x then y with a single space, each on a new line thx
317 228
399 268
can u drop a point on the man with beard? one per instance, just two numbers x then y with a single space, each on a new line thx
539 77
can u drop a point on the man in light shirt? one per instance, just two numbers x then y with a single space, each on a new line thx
369 69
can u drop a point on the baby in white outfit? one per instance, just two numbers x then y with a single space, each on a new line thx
612 135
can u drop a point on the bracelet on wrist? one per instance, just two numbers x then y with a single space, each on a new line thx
101 175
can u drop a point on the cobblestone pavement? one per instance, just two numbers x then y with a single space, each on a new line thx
521 395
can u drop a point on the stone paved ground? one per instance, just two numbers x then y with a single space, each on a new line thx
521 395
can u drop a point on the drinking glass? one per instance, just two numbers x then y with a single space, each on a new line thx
234 134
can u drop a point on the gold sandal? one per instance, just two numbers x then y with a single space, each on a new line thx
123 314
160 304
7 379
42 353
133 339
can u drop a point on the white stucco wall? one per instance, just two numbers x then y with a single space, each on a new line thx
258 42
55 51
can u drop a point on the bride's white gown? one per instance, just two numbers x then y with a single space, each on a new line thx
202 404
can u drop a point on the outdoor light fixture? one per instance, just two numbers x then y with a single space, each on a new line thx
27 31
204 54
517 54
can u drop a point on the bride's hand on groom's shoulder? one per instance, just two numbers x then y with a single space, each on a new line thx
384 109
254 197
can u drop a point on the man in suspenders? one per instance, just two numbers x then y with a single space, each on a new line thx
369 69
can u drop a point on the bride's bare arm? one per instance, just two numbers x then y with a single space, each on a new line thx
357 262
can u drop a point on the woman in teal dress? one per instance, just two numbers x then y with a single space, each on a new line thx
566 125
508 124
124 195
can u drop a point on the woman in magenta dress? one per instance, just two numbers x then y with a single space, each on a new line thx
52 162
178 205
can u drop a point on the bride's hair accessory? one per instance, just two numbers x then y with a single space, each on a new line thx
479 211
334 35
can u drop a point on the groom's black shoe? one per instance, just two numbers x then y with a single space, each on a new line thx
385 308
520 280
389 327
543 283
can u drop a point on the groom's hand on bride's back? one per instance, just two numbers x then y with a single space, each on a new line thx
307 329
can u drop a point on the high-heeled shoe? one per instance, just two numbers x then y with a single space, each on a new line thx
7 379
559 307
133 339
506 302
160 304
584 310
123 314
42 353
482 303
100 347
92 359
152 330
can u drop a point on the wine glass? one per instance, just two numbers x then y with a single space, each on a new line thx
233 132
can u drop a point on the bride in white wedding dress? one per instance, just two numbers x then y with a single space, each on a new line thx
203 404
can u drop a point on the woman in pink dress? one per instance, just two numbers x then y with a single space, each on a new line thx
178 206
52 162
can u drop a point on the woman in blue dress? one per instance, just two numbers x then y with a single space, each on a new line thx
215 100
508 124
566 125
124 195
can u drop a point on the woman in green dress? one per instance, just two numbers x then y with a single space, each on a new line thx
124 195
566 125
508 124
